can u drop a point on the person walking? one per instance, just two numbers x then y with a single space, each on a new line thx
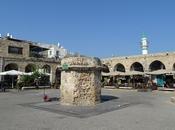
36 83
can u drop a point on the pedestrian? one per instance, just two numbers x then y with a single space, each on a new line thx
2 86
36 83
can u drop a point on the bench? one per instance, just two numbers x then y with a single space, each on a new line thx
34 87
31 87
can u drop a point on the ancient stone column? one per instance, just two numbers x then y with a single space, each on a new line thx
80 81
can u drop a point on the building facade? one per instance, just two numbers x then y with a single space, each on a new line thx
57 51
25 56
143 63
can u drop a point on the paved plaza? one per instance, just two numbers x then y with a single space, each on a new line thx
119 110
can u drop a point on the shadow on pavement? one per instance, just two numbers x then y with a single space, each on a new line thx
105 98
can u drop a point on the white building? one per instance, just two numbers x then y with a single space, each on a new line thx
144 45
56 51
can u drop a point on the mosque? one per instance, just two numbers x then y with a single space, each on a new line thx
160 67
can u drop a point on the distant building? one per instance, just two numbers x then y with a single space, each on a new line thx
57 51
144 62
159 65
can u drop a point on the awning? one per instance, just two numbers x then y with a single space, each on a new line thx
161 71
129 73
116 73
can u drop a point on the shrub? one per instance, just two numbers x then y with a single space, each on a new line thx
29 80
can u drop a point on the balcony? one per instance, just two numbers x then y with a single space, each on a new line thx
37 55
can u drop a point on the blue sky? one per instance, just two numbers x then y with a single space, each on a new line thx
99 28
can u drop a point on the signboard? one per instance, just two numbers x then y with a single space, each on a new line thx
65 66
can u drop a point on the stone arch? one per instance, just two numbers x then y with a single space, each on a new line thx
156 65
174 67
106 68
30 68
119 67
10 80
46 69
57 81
11 66
136 66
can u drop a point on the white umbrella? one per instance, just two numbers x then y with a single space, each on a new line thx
30 73
12 73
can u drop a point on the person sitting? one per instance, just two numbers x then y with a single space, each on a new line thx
2 86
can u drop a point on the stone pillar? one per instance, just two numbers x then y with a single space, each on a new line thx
80 81
1 66
173 99
53 73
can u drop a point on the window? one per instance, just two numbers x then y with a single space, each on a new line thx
50 52
15 50
57 53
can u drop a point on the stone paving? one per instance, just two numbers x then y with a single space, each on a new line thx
109 103
119 110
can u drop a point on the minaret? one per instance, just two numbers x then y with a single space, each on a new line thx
144 45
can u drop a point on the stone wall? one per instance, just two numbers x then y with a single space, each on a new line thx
22 60
168 59
80 84
5 43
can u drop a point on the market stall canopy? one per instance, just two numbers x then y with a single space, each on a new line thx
129 73
133 73
117 73
161 71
